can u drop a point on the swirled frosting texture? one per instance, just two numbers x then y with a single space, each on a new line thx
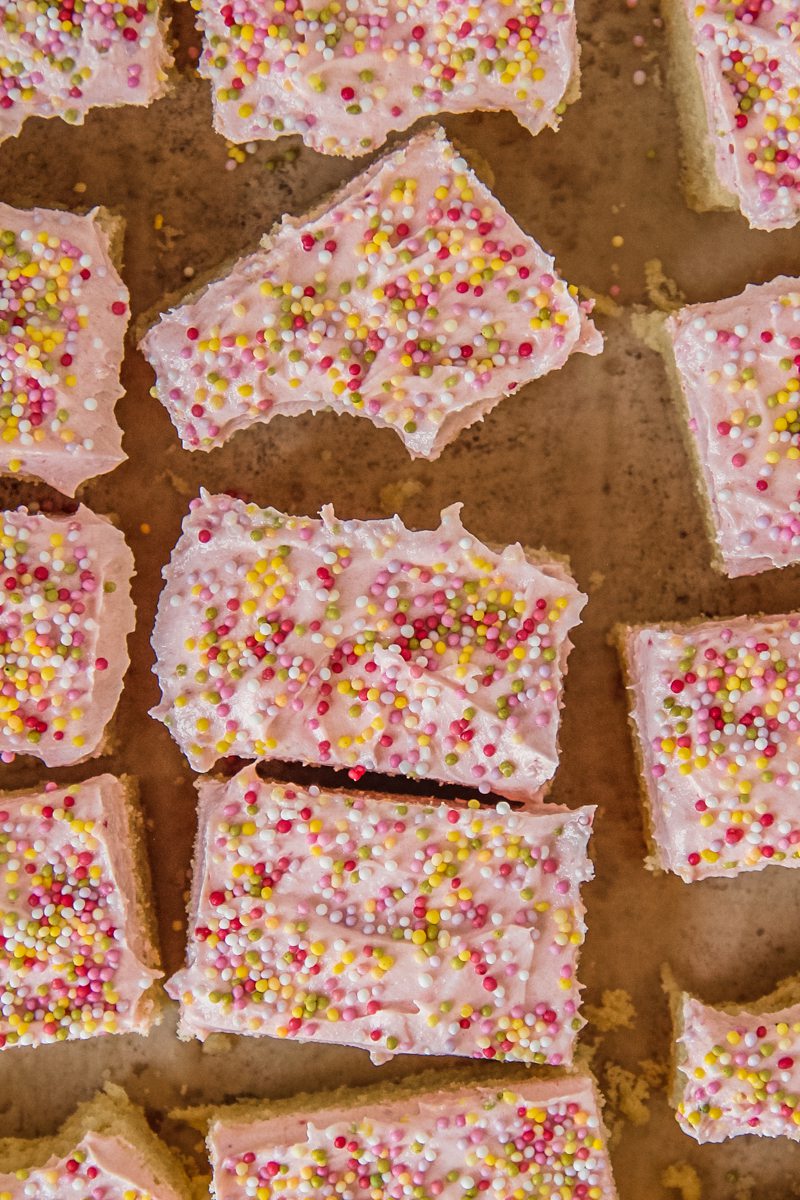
413 300
397 925
363 645
739 366
716 710
344 76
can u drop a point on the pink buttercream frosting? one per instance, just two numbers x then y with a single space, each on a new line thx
542 1138
716 707
394 924
59 360
363 645
75 961
60 60
345 76
738 1072
65 615
414 300
738 363
102 1166
747 56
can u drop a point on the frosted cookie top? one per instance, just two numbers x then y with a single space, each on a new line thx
103 1166
65 615
62 61
344 76
75 955
63 315
411 299
394 924
738 361
737 1072
747 55
451 1142
716 708
364 645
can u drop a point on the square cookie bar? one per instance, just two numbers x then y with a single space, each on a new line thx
60 62
344 83
737 1067
363 645
715 712
504 1136
65 615
735 369
78 952
105 1151
63 315
410 298
736 78
391 923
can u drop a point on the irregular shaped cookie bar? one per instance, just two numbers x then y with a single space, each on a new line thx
404 926
364 645
78 954
454 1134
736 78
715 710
105 1151
737 1067
65 616
345 76
63 315
411 299
60 61
734 365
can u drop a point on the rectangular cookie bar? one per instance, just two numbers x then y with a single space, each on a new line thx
715 713
78 950
387 922
363 645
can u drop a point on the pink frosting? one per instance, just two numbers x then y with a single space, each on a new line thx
544 1138
61 427
750 76
738 1072
62 62
363 645
716 708
346 82
414 300
73 954
394 924
738 362
102 1166
65 616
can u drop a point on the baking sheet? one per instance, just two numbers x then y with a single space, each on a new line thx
588 462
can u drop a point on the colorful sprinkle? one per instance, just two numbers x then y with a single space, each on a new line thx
415 301
362 644
64 604
737 1071
64 312
533 1139
392 924
344 76
716 707
68 967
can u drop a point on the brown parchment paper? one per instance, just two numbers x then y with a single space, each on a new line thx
589 462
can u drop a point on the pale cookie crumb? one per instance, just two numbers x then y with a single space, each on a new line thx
684 1179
